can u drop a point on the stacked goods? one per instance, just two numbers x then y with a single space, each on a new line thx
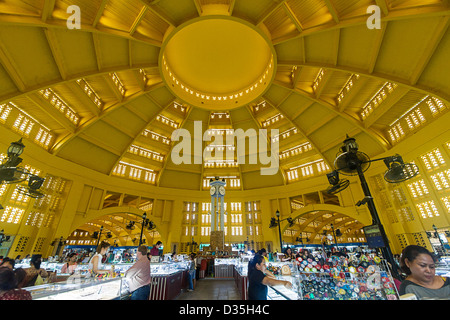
340 278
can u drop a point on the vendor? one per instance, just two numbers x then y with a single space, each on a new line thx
95 264
258 279
155 250
419 266
288 255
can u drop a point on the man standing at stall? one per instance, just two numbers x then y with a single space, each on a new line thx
155 250
138 276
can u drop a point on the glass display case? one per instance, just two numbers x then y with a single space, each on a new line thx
80 288
223 267
443 267
281 292
281 270
339 278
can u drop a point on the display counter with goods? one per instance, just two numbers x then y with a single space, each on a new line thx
168 278
281 270
443 267
223 267
80 288
168 281
339 278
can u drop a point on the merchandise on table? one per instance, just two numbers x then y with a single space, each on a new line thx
339 278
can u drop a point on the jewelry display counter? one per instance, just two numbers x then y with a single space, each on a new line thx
80 288
223 267
168 281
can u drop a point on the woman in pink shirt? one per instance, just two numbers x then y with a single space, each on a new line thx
71 265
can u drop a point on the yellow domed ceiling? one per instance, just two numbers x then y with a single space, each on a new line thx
105 96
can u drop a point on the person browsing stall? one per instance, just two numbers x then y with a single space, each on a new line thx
258 280
35 274
138 276
419 266
95 263
71 264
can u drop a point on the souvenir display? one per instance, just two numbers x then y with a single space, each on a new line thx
351 278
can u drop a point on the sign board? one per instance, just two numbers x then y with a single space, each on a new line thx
373 236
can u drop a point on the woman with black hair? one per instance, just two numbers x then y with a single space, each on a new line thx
288 255
95 264
35 273
419 266
259 279
71 264
8 286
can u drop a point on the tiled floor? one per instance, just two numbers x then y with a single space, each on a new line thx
212 289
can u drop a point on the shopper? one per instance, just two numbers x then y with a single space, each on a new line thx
95 263
155 250
138 276
8 262
20 277
419 266
35 274
8 286
263 252
191 274
71 264
258 280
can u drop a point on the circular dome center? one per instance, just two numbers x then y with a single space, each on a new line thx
217 57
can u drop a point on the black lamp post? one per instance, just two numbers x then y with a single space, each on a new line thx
279 230
276 222
144 223
334 235
351 162
99 235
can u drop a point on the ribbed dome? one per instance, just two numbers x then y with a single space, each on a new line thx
99 91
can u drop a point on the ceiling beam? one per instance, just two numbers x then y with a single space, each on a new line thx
379 138
293 17
384 77
138 20
332 10
383 6
397 15
29 90
106 111
433 42
300 130
386 105
56 52
276 4
376 46
47 10
11 68
52 112
75 87
99 13
98 53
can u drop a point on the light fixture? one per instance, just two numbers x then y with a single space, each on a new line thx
130 225
337 185
398 171
276 222
10 172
